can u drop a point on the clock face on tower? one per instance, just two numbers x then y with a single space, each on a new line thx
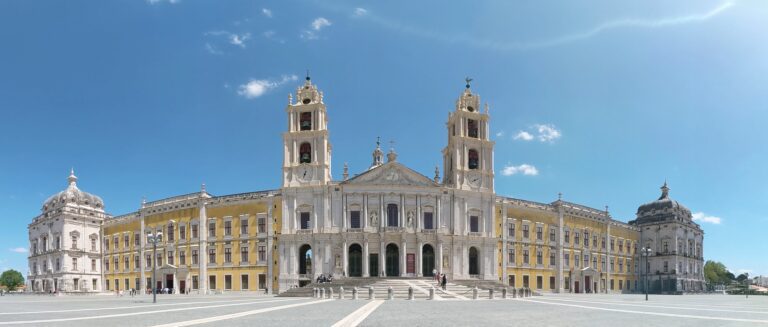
474 179
304 173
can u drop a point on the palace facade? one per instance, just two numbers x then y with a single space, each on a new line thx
386 221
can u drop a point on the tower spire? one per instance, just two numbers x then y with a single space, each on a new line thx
664 190
378 155
72 179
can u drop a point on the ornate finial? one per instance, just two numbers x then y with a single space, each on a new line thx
346 171
290 99
664 190
378 141
377 154
468 80
308 75
391 145
559 196
392 155
72 179
202 188
143 201
486 108
437 175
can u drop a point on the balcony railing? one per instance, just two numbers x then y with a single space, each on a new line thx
393 229
354 230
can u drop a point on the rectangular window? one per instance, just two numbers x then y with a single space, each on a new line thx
117 263
212 282
525 257
194 257
552 235
567 283
228 282
621 246
512 280
511 256
243 254
244 227
227 255
602 260
621 284
262 281
576 238
473 224
354 219
511 230
594 241
244 282
182 232
74 243
551 282
117 284
567 237
212 229
195 282
93 264
107 281
136 239
126 241
93 244
262 253
170 233
183 257
93 284
227 228
539 258
149 261
539 233
576 260
586 239
602 243
428 223
551 257
539 282
116 242
74 263
612 265
262 225
525 231
567 259
170 258
212 256
611 284
586 260
126 263
304 220
136 262
159 259
666 266
621 267
194 231
612 243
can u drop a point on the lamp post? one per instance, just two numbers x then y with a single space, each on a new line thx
154 239
646 252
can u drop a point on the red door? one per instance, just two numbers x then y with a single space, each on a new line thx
576 287
182 286
586 284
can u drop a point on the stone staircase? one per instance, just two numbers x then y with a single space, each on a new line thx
348 283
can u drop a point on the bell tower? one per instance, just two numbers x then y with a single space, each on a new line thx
468 157
306 149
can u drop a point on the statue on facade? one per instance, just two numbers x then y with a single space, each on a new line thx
410 219
374 218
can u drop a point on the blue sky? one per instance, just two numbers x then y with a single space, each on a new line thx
599 100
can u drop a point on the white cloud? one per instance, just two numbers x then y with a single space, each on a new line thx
239 40
153 2
547 133
523 135
500 134
258 87
502 45
268 34
524 169
360 12
19 250
319 23
702 217
212 50
266 12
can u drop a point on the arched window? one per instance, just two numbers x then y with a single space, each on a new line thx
305 153
305 122
392 215
472 127
474 159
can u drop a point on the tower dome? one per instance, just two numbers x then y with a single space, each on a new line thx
73 195
664 208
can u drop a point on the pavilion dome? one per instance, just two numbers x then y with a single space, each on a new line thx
664 208
72 194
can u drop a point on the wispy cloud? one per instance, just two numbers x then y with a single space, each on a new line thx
266 12
18 250
316 25
598 29
541 132
500 134
238 40
153 2
702 217
212 49
524 169
359 12
258 87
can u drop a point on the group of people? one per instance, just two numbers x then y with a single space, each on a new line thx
324 279
440 279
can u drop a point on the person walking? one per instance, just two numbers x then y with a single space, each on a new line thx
444 282
434 274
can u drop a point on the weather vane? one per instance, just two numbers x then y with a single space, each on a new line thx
467 79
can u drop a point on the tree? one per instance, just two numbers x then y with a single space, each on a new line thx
716 273
741 278
11 279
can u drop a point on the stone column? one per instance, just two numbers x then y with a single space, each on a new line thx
438 211
344 213
344 252
418 222
142 261
366 258
365 217
175 283
419 267
382 258
440 256
608 256
202 231
403 260
559 249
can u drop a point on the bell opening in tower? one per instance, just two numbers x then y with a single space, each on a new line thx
305 153
473 159
472 126
306 121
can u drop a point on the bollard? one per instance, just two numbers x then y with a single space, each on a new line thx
322 293
432 293
341 293
370 293
330 293
474 293
490 294
354 293
390 293
410 292
504 293
314 292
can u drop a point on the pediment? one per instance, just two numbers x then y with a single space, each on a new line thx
391 173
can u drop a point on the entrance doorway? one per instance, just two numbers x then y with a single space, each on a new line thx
576 286
169 281
183 286
373 265
587 285
393 260
473 266
355 260
305 260
427 260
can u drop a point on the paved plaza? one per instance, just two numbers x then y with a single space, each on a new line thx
251 310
